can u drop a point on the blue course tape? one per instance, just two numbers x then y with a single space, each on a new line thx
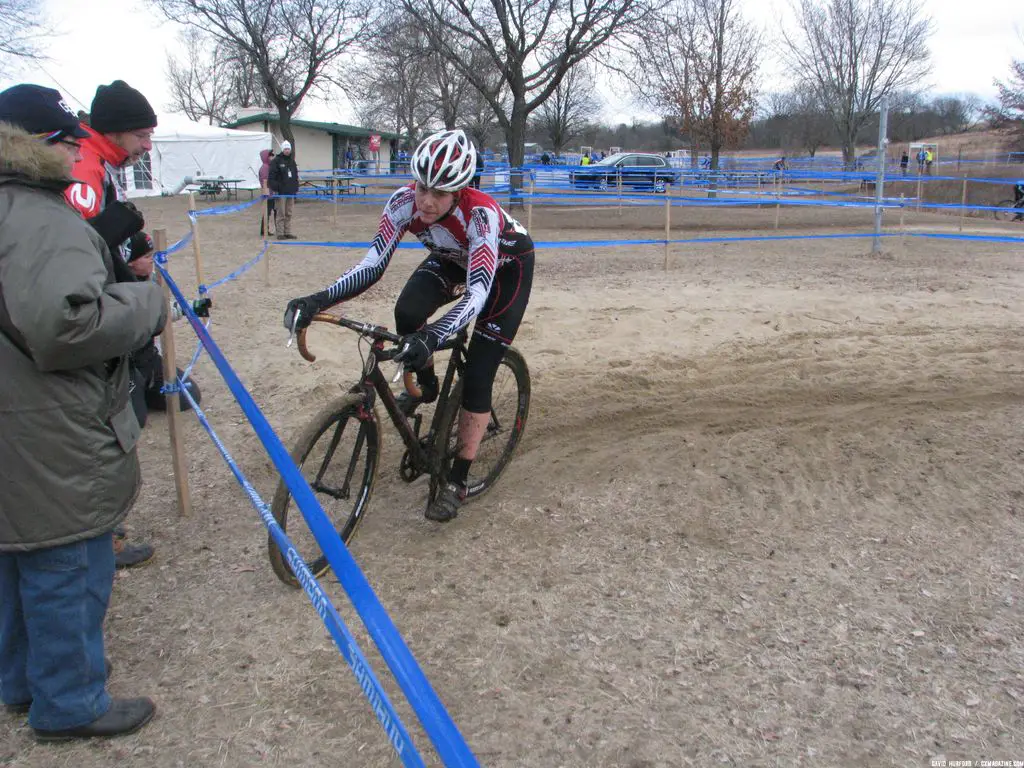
160 257
195 357
448 742
742 239
238 272
226 209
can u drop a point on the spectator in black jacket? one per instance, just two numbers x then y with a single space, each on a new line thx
283 179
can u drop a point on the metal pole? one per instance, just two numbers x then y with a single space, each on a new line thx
883 123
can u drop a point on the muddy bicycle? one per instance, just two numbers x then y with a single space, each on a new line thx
339 450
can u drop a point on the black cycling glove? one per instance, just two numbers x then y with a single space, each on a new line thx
299 312
416 350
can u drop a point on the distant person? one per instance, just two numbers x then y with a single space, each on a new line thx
68 431
921 157
350 158
283 179
266 155
928 158
705 162
780 164
585 160
1018 198
904 162
545 159
479 173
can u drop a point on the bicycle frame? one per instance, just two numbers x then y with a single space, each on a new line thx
374 383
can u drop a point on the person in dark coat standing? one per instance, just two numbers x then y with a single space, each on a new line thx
283 179
266 155
68 431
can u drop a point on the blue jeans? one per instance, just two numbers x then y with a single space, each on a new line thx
52 605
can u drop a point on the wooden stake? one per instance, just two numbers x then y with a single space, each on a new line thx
173 409
668 227
194 222
963 203
266 243
919 191
901 213
618 183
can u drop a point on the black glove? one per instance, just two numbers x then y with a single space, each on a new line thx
117 222
299 312
141 244
416 350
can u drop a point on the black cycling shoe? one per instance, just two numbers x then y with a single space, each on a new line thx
446 506
408 403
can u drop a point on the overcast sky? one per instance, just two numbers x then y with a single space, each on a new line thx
104 40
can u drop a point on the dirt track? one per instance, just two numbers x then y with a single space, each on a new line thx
768 511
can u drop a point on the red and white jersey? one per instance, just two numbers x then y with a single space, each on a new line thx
476 234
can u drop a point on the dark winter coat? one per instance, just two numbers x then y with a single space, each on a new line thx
67 428
283 178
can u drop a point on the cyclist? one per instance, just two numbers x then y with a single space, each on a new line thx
479 255
1018 198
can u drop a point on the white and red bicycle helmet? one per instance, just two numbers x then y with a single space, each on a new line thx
445 161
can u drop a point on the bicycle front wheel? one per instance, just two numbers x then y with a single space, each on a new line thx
338 453
510 407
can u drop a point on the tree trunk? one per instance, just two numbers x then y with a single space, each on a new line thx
849 153
716 150
515 139
285 123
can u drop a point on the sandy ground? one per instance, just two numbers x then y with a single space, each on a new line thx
768 511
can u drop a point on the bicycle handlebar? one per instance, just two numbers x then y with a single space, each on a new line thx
375 332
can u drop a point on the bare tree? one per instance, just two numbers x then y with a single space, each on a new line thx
570 109
23 29
955 114
700 70
854 52
532 44
201 85
390 85
293 45
1010 112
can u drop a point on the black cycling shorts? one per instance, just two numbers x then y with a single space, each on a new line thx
439 281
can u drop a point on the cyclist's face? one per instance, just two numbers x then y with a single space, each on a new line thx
432 204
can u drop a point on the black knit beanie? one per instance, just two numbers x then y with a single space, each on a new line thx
119 107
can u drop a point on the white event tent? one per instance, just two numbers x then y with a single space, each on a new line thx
183 149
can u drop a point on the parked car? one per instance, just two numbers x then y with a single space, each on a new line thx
638 171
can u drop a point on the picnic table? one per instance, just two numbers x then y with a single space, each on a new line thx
332 184
212 186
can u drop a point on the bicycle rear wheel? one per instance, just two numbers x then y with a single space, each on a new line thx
510 408
1007 210
338 453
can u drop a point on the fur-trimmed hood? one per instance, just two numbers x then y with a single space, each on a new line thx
26 158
